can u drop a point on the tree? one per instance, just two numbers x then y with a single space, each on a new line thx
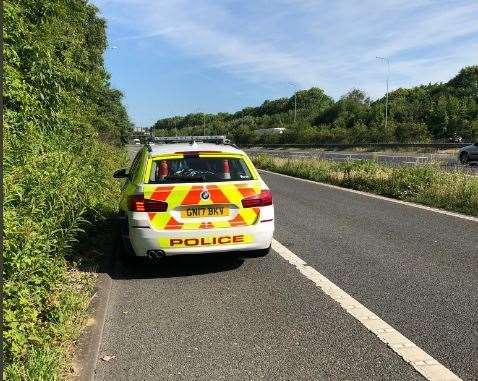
466 82
442 108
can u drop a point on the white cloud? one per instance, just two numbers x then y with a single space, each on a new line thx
313 43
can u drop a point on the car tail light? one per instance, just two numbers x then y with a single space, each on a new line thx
137 203
262 199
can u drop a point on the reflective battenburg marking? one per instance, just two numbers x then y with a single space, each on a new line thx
183 195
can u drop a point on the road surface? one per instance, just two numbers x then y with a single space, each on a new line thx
238 318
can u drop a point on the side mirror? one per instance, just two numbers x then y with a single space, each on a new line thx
120 174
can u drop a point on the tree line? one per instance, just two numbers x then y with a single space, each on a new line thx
426 113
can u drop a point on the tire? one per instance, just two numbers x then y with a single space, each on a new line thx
125 249
126 253
259 253
464 159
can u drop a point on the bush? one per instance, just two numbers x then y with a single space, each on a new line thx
63 126
412 133
49 199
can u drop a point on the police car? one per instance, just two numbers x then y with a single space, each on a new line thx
194 195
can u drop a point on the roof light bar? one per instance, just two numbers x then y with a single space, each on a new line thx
218 139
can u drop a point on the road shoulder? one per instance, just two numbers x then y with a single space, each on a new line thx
87 349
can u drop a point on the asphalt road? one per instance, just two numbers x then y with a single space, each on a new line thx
232 317
390 158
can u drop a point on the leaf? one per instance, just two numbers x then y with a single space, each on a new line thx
108 358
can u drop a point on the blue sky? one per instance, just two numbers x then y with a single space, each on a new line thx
173 57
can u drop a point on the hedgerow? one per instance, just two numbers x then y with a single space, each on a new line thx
63 130
426 185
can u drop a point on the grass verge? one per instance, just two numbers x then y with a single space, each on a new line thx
427 185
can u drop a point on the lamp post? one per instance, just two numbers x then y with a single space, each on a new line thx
295 100
387 60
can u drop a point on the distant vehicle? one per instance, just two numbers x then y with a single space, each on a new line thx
194 195
468 154
270 131
455 139
136 141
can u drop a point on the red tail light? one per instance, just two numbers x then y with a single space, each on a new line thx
262 199
137 203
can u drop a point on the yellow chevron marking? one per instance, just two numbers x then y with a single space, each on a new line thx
178 194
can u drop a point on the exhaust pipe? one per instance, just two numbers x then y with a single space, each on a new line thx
155 254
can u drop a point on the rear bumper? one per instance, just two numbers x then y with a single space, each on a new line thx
175 242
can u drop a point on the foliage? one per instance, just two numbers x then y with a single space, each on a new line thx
426 185
63 125
419 115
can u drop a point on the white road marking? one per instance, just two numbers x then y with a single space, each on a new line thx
426 365
407 203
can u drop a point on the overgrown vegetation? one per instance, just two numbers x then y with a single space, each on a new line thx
433 112
63 130
427 185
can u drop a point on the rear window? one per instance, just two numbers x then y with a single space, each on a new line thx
197 169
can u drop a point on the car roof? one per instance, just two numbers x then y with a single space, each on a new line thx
162 149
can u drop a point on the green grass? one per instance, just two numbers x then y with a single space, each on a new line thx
427 185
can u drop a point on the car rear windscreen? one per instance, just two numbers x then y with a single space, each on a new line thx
197 169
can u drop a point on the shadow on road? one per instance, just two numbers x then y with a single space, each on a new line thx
177 266
99 251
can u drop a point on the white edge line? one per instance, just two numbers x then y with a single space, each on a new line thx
407 203
423 363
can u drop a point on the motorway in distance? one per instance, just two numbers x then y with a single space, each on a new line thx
233 317
447 162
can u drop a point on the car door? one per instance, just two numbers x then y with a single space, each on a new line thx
130 184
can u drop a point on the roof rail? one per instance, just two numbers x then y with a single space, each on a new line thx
218 139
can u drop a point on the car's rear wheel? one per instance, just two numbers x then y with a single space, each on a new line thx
464 159
125 249
259 253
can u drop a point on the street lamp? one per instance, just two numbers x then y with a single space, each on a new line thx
295 100
386 59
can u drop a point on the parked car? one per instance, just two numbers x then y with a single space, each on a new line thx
455 139
185 197
468 154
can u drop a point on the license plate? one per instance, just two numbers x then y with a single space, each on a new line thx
205 211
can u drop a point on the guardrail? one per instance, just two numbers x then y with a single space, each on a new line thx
361 145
